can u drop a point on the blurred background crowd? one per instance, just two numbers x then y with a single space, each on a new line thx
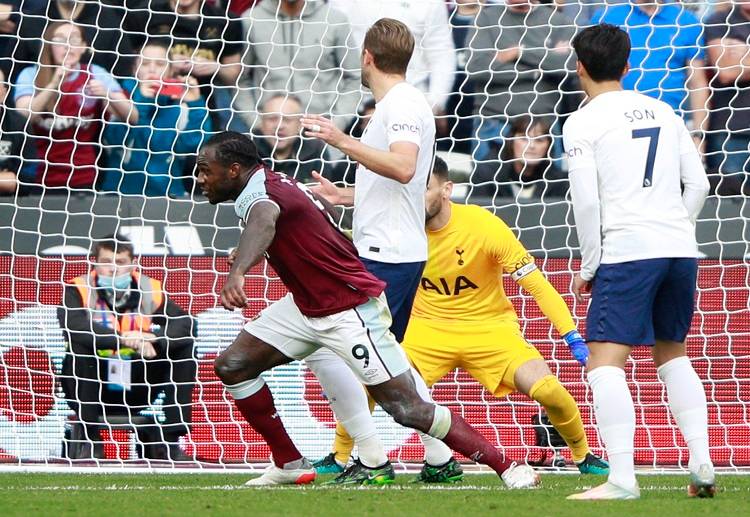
117 96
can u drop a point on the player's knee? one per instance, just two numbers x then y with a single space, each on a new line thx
234 368
551 394
412 414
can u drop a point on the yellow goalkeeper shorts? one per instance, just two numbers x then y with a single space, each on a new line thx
489 353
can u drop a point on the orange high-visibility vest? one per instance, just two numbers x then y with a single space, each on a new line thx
152 297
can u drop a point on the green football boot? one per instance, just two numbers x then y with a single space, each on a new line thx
359 474
450 472
593 464
328 465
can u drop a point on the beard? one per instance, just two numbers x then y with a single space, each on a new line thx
364 79
431 211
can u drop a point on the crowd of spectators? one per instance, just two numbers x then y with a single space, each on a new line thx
117 96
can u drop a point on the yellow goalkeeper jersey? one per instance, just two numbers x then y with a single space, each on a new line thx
462 279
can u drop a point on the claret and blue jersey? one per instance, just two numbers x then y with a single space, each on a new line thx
316 262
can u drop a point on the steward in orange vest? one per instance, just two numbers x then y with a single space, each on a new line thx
115 312
129 313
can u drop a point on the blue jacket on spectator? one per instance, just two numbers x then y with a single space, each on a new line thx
663 47
150 158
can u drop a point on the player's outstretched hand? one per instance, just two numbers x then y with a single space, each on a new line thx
233 293
577 346
318 126
325 188
580 287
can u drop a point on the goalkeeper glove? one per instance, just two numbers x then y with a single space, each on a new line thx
577 346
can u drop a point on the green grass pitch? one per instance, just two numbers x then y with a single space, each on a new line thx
219 494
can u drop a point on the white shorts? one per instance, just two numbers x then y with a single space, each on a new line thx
360 336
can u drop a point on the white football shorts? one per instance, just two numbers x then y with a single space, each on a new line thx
360 336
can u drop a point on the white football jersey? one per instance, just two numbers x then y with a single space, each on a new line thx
629 158
388 221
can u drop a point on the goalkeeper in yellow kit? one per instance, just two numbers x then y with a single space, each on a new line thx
463 319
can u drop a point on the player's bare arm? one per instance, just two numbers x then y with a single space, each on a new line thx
254 241
328 191
399 163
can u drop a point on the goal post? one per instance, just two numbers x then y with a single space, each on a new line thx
47 231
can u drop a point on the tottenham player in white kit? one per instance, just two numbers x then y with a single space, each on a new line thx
637 185
395 158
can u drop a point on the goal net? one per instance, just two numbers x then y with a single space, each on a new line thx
108 145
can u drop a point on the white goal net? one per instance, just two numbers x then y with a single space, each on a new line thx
106 104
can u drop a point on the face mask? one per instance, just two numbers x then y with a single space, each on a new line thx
119 283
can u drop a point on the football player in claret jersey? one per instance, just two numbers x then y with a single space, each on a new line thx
333 302
463 319
637 185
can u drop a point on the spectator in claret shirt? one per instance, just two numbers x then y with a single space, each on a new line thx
728 40
206 43
152 157
101 26
66 101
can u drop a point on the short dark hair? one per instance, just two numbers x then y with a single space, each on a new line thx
114 242
440 170
391 44
603 50
233 147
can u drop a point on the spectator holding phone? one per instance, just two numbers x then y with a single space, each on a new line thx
205 42
150 158
66 101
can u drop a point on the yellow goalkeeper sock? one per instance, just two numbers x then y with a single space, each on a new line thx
343 443
563 414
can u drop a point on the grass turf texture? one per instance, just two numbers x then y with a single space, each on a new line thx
188 494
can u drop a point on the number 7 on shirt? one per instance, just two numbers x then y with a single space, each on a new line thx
652 133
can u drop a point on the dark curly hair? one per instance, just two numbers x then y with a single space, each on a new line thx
232 147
